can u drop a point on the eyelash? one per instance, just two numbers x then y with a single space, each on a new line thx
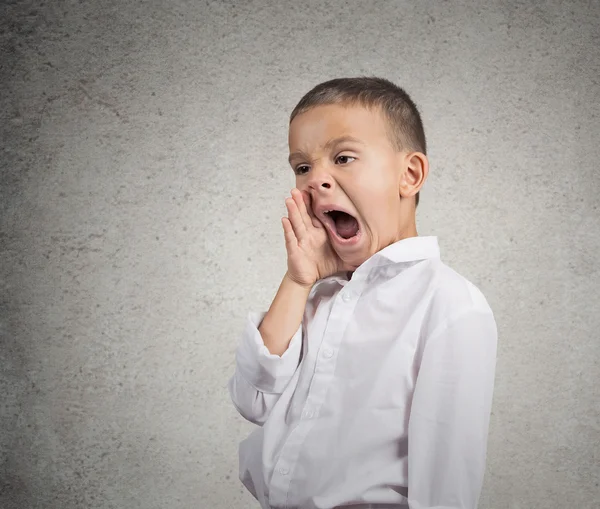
296 171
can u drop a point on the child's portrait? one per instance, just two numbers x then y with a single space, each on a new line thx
299 255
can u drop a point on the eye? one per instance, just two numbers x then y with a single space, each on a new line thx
299 169
344 157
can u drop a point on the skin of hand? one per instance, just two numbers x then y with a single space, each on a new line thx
310 256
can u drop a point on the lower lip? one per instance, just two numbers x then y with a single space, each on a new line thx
342 241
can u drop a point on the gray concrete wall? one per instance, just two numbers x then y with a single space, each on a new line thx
143 179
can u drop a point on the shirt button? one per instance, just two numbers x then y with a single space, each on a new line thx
284 470
309 414
328 353
347 296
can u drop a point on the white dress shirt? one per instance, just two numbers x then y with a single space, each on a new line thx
384 395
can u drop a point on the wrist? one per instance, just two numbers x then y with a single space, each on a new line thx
292 282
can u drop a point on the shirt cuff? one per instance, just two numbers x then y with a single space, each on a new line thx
265 371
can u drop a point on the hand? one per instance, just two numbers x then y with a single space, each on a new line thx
310 256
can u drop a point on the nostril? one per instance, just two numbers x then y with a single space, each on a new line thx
326 185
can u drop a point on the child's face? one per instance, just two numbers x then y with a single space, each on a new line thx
364 178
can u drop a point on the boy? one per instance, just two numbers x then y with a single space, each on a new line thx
371 375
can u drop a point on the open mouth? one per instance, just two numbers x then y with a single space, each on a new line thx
344 225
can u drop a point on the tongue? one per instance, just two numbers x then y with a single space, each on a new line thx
346 225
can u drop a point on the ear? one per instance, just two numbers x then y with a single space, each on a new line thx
416 169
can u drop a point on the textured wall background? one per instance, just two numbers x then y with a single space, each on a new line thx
144 173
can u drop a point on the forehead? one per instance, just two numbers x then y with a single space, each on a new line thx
314 128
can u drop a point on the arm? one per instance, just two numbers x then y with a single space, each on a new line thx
450 413
284 315
269 353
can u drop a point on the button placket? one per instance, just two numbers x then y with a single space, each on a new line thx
325 362
327 353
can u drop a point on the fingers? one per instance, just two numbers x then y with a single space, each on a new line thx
291 242
308 207
304 202
299 199
295 218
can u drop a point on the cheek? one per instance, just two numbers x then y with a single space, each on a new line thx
376 176
377 199
376 187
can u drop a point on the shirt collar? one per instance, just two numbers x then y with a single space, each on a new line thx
410 249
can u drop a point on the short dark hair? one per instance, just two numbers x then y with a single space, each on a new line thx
404 121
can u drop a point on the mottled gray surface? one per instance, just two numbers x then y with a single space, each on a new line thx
143 179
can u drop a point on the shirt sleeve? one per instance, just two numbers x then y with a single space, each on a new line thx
260 376
450 413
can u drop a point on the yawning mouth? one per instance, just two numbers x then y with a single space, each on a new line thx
343 224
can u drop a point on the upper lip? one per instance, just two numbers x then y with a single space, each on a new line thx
326 219
320 210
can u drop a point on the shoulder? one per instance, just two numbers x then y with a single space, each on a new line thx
452 295
455 291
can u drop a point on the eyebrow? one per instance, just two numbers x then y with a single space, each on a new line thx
329 144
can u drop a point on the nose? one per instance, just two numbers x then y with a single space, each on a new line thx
320 180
